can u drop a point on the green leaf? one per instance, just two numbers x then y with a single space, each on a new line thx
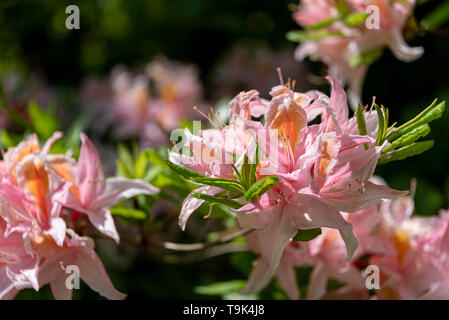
361 123
342 7
128 213
186 173
140 166
125 162
381 122
154 157
44 123
436 18
429 114
322 24
227 184
307 235
9 140
355 19
221 288
72 138
408 138
366 58
407 151
215 200
260 187
299 35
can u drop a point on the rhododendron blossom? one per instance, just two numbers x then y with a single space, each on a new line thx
41 196
410 251
146 106
322 169
338 34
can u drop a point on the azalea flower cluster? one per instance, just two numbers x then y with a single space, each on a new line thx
306 180
409 253
45 200
146 106
350 35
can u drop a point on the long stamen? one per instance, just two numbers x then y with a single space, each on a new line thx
281 79
215 117
200 112
220 120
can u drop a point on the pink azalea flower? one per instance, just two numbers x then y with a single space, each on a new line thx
89 193
323 168
322 172
411 252
337 50
326 254
178 90
21 268
35 187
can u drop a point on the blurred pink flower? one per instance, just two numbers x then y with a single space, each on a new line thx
145 106
411 252
36 190
346 42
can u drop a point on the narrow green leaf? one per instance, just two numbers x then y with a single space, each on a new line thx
408 138
215 200
128 213
245 172
361 123
125 157
407 151
437 17
260 187
322 24
123 171
299 35
342 7
366 58
186 173
429 114
140 166
381 122
221 288
9 140
355 19
227 184
307 235
44 123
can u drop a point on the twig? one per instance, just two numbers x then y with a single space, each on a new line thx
203 245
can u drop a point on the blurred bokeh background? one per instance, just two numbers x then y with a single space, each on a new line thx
233 45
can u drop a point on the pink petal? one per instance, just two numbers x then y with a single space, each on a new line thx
118 188
93 273
274 237
314 213
7 289
318 282
258 278
190 204
89 171
338 101
286 275
102 220
370 195
400 48
59 289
